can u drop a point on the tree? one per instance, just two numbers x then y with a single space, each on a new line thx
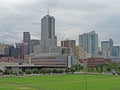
1 71
35 71
94 70
107 67
99 69
77 67
73 70
28 71
85 69
104 69
67 70
42 71
7 72
20 73
55 71
61 71
49 71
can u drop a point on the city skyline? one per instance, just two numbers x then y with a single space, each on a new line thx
18 16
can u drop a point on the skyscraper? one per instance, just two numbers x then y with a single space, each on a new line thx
26 37
48 38
115 51
106 47
89 41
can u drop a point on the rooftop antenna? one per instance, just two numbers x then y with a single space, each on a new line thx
48 11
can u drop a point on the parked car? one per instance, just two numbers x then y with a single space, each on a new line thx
113 71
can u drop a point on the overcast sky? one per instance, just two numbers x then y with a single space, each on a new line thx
73 17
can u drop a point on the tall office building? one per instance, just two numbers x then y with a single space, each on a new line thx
48 39
26 37
115 51
33 43
11 51
89 42
2 48
106 47
23 47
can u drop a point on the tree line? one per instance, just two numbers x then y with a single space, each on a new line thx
107 67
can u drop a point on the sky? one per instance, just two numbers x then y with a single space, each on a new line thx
73 17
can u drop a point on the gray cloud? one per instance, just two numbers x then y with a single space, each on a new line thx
73 17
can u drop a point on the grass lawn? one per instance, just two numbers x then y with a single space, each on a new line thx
61 82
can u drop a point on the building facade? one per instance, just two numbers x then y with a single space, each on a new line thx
23 47
106 47
80 54
89 42
48 39
2 48
33 43
26 37
11 51
115 51
71 44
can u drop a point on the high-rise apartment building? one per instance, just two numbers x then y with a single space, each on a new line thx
89 42
106 47
48 39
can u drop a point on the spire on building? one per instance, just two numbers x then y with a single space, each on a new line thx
48 11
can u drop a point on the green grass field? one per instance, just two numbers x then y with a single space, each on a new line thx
61 82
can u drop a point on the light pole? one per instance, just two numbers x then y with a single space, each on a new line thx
86 82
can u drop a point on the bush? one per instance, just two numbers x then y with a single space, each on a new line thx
14 73
20 73
118 73
7 72
55 71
